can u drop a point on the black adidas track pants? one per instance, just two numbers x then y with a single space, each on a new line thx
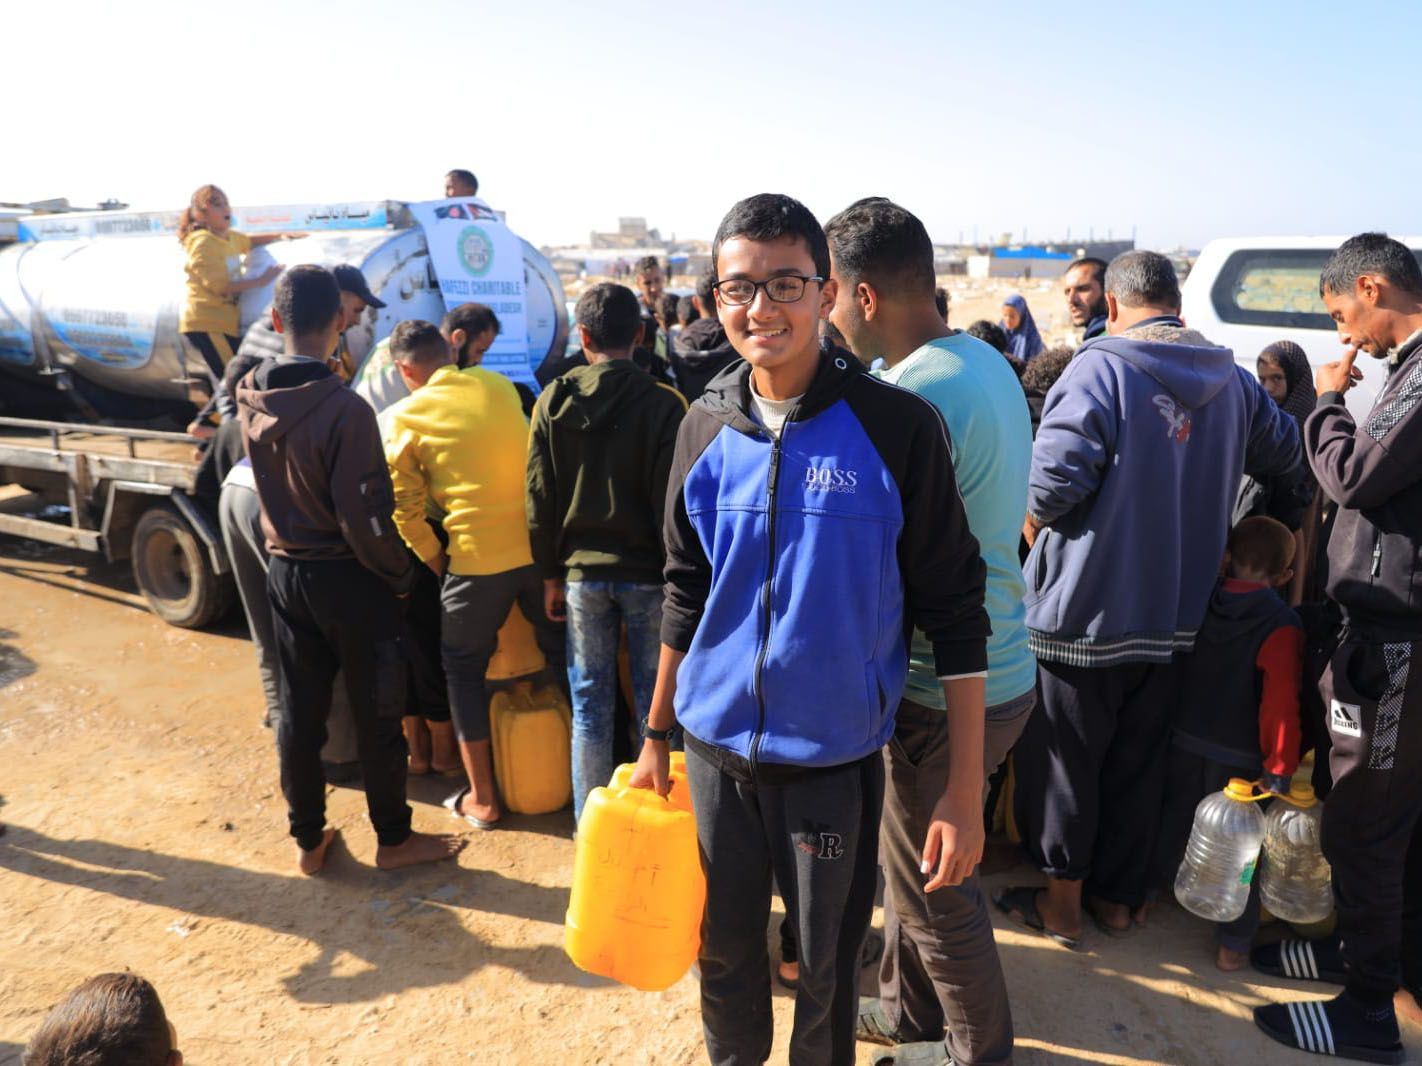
1372 695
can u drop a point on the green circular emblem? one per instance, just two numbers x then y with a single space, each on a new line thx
476 251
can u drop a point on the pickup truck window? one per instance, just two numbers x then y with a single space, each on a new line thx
1273 287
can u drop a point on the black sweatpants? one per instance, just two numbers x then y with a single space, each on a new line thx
1372 690
327 616
818 834
1090 771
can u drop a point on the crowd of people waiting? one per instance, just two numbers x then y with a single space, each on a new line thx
852 593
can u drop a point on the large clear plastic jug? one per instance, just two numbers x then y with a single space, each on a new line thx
1296 883
1214 879
638 890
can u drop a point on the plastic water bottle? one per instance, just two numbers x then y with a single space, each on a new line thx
1296 883
1213 881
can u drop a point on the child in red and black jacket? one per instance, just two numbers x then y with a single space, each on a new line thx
1238 714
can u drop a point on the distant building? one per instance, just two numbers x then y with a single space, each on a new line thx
631 233
1040 260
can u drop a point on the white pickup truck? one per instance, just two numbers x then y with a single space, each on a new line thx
1247 292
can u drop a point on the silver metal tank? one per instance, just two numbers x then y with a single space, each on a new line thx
105 309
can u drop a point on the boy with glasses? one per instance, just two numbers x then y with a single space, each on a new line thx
812 521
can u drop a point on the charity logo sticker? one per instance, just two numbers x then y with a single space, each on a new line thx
476 251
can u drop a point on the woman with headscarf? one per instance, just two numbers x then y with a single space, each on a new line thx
1284 371
1023 340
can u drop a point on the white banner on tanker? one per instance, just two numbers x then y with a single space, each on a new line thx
478 259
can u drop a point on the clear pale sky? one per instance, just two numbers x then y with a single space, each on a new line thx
1186 120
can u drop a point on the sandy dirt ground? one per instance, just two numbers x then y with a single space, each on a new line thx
144 830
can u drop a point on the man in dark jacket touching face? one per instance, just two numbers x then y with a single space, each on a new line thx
1372 287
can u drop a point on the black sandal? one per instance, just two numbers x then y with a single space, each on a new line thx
1020 905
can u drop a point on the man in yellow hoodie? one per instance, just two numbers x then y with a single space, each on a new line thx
460 439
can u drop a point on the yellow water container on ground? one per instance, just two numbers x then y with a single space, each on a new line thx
532 733
680 794
638 890
517 654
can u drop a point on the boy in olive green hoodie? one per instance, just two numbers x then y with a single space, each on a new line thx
599 454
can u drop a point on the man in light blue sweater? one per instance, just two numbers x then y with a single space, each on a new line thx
941 969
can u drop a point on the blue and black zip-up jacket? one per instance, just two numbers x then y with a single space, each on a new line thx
797 568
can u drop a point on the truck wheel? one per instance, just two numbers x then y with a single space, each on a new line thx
171 569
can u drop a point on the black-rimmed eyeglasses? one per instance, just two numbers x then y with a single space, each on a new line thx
781 289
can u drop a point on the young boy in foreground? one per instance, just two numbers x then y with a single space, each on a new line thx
1239 711
813 520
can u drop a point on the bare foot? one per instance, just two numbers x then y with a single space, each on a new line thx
1142 913
789 972
1229 960
418 848
1057 920
1114 916
1407 1007
311 862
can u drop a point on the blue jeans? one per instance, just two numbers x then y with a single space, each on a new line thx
597 610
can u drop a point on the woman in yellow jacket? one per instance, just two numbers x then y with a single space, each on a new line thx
214 276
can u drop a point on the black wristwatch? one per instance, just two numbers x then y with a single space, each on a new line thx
657 734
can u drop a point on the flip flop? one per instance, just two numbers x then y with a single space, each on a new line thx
921 1053
1307 1026
1296 960
1110 930
873 1025
451 803
1020 905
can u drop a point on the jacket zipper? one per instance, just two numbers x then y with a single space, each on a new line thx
1377 552
765 599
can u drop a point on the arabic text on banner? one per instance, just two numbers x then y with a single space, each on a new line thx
478 259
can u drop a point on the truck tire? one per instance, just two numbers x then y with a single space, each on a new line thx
172 570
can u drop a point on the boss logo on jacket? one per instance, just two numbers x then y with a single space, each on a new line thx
831 479
798 565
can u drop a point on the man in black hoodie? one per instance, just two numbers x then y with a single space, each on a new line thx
1372 287
599 452
337 565
702 350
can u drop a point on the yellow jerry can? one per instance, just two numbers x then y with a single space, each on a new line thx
680 794
532 733
638 890
517 654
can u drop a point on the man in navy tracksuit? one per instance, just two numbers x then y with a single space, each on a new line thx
813 519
